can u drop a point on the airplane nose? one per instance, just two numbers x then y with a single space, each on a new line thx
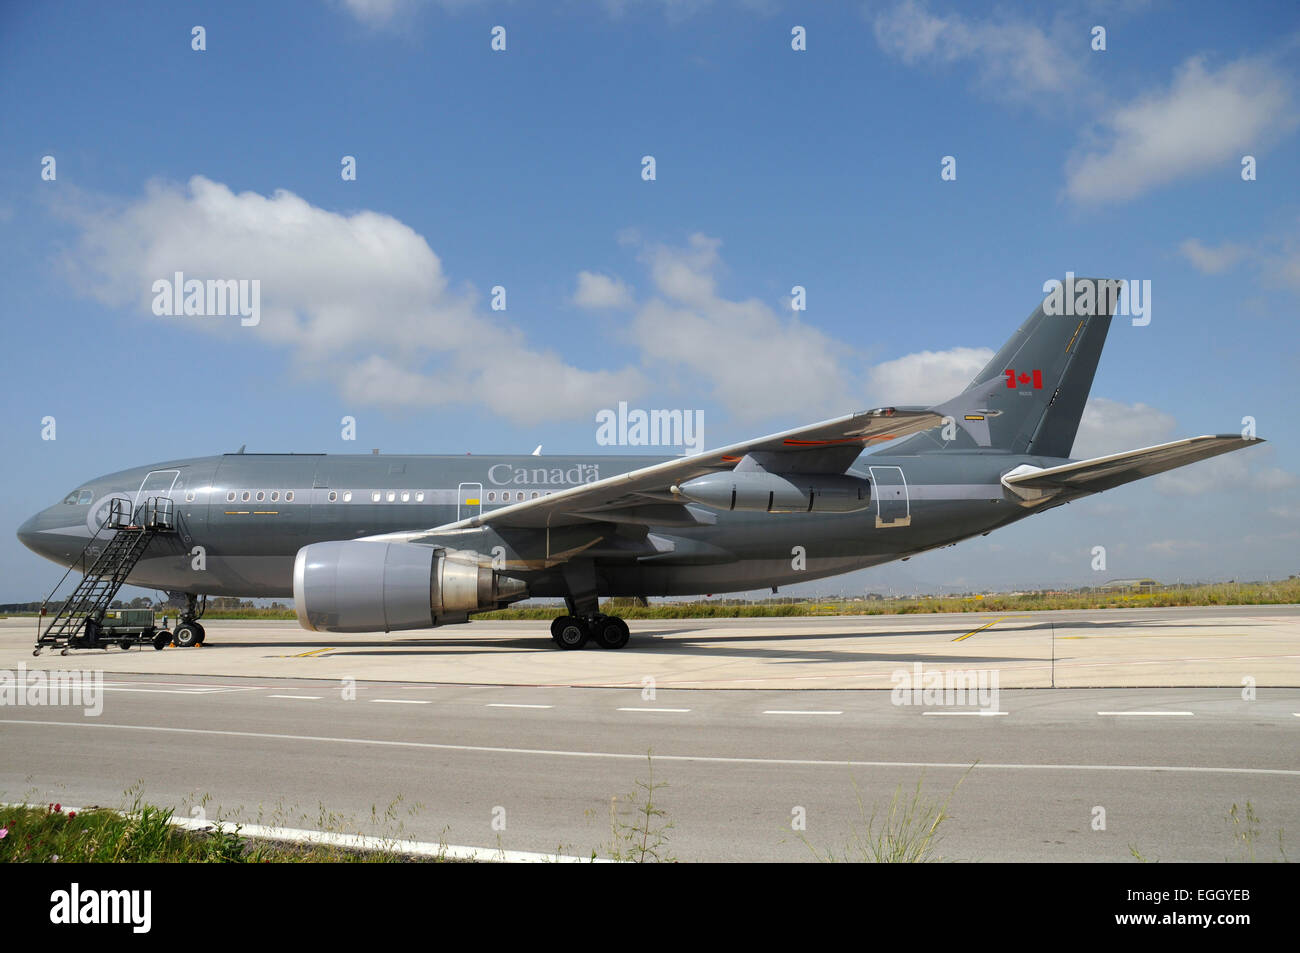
28 534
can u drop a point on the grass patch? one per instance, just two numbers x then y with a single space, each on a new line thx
145 835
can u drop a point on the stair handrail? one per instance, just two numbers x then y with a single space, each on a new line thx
46 601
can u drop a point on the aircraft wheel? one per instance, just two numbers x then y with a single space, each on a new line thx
161 639
573 634
186 635
612 632
556 624
202 634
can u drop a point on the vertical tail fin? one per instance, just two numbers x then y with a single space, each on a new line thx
1030 396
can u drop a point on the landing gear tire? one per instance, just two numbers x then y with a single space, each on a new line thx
556 623
202 635
161 639
573 634
611 632
187 635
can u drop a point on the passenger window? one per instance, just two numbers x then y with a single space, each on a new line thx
419 497
288 496
333 496
374 496
275 496
391 496
492 497
189 496
261 495
347 496
244 496
534 496
406 496
230 497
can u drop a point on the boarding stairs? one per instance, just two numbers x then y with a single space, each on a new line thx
129 531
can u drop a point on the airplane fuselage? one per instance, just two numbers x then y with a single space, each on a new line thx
241 519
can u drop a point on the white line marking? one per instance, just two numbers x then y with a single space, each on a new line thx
399 701
623 756
679 710
512 705
980 712
1144 713
165 691
306 698
803 712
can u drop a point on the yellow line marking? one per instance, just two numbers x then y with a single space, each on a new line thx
980 629
311 653
1076 334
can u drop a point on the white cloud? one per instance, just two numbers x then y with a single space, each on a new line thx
1014 59
597 292
359 298
1211 261
1110 426
927 377
753 361
1205 119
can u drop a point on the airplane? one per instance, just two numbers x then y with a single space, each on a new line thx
369 543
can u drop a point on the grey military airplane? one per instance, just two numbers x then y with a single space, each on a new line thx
367 543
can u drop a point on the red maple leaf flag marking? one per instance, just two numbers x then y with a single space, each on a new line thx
1023 378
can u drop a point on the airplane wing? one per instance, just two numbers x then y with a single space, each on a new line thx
642 496
1116 469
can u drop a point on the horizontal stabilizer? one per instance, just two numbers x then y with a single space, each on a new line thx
1116 469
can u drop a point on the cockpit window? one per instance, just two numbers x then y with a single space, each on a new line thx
84 498
71 497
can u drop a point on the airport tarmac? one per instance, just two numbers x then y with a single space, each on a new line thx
470 727
1072 774
1197 646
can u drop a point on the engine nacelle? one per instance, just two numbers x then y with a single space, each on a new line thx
364 586
764 492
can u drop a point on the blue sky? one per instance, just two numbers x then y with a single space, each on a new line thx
774 168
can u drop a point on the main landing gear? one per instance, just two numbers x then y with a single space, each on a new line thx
189 633
574 632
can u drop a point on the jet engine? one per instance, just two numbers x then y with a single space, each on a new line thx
365 586
761 491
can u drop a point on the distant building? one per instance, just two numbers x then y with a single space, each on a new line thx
1129 585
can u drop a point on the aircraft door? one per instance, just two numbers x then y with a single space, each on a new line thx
469 500
889 488
156 483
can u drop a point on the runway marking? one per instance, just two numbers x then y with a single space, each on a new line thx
1144 713
309 654
980 712
980 629
399 701
678 710
803 712
513 705
640 756
167 691
306 698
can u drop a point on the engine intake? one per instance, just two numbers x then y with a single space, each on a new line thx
761 491
363 586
